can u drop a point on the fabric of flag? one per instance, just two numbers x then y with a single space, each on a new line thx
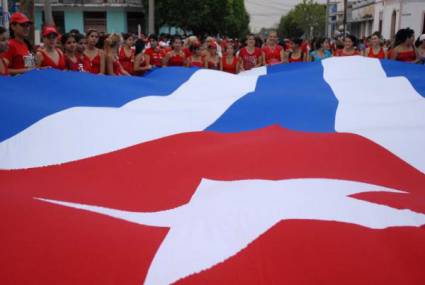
306 173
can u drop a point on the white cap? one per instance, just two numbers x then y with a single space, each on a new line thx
422 37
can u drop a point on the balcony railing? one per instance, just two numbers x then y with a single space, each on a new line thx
92 2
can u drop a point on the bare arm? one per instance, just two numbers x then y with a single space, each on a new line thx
102 62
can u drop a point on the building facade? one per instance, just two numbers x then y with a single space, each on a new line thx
103 15
392 15
335 20
361 20
367 16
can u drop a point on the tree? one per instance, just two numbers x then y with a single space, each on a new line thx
307 18
226 17
288 27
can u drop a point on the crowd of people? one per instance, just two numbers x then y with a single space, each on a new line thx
128 54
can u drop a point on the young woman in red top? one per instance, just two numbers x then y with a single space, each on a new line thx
229 61
19 57
403 46
113 65
155 53
126 53
176 56
50 55
73 60
196 59
350 47
3 48
375 50
213 59
142 60
296 54
273 53
93 58
250 55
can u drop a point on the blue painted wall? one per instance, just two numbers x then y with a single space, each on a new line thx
74 20
116 21
38 19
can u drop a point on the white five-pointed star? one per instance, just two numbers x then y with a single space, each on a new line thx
223 217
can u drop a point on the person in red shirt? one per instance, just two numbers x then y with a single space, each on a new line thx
375 50
296 54
213 59
190 41
113 65
404 49
73 60
142 60
93 58
273 53
176 56
229 62
350 47
196 59
50 55
250 55
3 48
126 53
155 53
19 57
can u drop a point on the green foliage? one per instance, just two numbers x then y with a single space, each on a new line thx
307 18
226 17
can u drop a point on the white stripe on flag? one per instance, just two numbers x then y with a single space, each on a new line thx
82 132
386 110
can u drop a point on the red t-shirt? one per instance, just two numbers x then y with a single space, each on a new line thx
230 67
155 56
273 55
187 52
92 65
15 54
196 63
380 54
176 60
48 61
341 52
73 65
250 60
126 61
117 67
406 56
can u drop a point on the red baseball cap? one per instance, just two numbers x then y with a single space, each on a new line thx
50 30
19 18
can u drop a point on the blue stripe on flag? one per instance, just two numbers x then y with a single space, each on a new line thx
415 73
24 103
295 96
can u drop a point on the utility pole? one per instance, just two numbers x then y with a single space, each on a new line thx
48 14
5 14
345 17
27 7
327 19
151 16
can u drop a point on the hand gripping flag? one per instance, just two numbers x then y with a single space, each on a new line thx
292 174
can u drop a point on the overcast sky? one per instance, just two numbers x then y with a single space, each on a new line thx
267 13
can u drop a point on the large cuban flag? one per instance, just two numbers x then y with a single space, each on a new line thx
292 174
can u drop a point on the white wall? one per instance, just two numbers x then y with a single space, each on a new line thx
413 15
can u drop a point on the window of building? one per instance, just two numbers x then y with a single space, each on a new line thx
95 20
134 19
58 18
